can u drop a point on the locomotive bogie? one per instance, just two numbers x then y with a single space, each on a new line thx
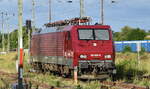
99 67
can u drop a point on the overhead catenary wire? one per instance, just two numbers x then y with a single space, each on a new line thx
67 13
81 7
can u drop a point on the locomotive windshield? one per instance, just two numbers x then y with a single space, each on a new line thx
93 34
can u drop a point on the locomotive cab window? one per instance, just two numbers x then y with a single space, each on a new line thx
93 34
85 34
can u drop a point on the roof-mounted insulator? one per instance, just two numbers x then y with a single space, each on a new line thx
73 21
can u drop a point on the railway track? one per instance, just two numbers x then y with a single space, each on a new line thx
145 77
121 85
12 78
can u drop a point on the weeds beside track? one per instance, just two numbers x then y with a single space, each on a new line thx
121 85
9 78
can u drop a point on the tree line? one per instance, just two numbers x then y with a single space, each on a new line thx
128 33
13 36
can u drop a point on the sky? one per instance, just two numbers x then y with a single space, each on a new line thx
133 13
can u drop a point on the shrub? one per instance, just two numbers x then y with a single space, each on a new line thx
128 69
142 50
78 87
127 49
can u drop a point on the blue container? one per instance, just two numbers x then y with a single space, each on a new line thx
120 45
133 47
145 46
148 47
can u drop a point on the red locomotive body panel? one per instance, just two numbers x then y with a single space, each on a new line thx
89 47
49 44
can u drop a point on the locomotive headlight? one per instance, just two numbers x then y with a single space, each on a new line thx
107 56
83 56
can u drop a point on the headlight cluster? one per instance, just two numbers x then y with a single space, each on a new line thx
83 56
107 56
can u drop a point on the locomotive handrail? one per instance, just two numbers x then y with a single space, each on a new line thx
73 21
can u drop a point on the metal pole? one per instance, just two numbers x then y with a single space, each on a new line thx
102 12
20 44
8 38
138 52
8 44
81 8
3 44
8 33
33 15
50 14
29 37
76 75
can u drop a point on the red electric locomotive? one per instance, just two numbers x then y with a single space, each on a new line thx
87 49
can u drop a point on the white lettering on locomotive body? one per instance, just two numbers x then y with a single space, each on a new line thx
96 55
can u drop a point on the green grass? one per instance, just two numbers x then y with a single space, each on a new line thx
8 62
2 84
143 82
128 66
126 63
92 85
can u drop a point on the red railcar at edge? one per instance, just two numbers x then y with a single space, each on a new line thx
89 48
